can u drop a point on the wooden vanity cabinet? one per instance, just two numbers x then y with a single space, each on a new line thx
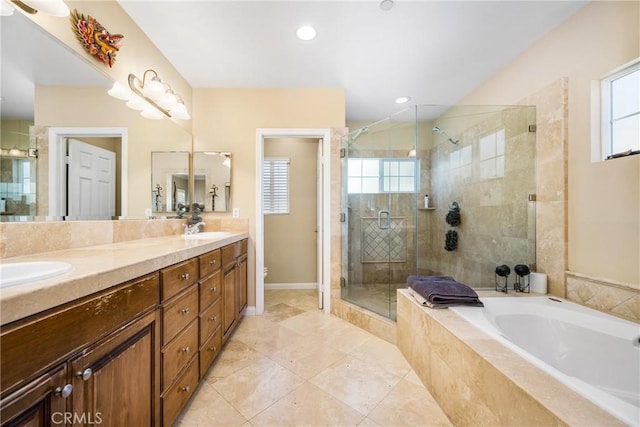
37 402
210 316
179 354
94 359
131 355
234 285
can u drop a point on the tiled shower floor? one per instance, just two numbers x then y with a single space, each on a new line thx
295 366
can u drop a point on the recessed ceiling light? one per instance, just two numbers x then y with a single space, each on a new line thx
386 5
402 99
306 33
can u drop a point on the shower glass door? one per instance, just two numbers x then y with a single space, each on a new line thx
379 201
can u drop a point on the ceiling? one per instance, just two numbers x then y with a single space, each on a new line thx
434 51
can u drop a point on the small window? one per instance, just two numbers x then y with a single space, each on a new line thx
620 124
372 176
275 186
492 155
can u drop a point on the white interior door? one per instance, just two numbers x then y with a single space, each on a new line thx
319 225
91 181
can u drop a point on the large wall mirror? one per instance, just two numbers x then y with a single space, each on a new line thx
212 180
46 85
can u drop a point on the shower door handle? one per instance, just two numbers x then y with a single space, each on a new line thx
387 223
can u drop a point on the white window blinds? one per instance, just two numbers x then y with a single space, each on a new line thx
275 186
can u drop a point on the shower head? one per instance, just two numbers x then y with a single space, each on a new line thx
438 131
359 132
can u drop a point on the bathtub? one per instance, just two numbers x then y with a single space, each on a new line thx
594 354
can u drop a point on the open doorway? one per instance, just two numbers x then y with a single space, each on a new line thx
290 208
311 139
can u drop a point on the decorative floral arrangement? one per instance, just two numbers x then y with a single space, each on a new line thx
95 38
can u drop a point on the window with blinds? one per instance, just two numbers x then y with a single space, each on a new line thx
275 186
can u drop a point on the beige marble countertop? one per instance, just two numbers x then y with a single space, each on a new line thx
95 268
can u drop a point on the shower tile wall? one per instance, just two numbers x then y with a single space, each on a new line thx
498 221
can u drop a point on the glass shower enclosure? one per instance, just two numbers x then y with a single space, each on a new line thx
479 159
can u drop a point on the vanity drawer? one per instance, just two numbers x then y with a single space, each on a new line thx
178 353
178 277
179 313
209 350
210 290
233 251
175 397
210 319
209 263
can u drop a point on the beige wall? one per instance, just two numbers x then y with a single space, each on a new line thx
227 119
603 197
290 240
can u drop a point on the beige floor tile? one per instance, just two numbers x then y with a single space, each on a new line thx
359 384
383 353
368 422
281 311
305 299
345 337
307 357
409 404
297 366
235 356
209 409
308 406
264 335
256 387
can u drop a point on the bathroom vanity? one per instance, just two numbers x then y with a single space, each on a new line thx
131 353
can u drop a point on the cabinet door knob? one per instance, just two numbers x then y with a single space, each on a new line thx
185 349
213 261
185 310
185 388
212 289
185 276
85 375
213 318
63 392
212 348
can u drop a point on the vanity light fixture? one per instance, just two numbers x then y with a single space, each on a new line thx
6 9
151 96
51 7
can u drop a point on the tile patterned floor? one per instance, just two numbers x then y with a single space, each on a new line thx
295 366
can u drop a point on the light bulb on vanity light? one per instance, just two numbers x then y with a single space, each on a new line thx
179 111
119 91
150 112
136 103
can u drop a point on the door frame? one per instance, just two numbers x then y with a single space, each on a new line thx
57 162
324 198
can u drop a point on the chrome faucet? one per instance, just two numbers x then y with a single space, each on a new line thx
193 228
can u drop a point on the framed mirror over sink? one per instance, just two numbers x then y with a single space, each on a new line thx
212 180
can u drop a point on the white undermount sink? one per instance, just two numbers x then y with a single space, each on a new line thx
17 273
207 235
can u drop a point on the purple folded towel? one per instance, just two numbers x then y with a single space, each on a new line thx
443 291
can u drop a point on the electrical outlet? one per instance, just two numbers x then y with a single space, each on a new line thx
236 212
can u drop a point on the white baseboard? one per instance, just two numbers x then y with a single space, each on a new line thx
274 286
250 310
